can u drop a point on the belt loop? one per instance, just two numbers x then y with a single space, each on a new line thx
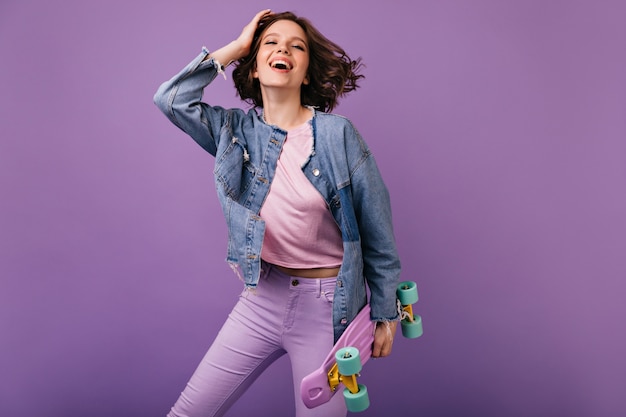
266 268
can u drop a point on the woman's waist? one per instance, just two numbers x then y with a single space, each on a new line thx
325 272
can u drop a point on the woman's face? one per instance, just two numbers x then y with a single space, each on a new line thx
283 57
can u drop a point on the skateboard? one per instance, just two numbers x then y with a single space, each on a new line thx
352 351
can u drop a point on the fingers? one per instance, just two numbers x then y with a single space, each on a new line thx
256 19
381 349
247 34
262 14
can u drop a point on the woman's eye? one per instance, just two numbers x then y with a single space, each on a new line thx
299 47
270 43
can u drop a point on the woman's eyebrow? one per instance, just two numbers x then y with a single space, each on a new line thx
278 34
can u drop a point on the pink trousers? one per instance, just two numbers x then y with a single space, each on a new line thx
283 315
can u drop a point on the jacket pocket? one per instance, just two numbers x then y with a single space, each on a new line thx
234 170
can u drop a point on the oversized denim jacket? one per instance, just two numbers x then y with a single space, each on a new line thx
340 166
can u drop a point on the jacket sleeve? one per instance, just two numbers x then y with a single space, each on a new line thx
180 100
381 263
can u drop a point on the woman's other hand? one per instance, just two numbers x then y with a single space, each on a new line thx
383 338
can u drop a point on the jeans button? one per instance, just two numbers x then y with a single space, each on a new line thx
295 282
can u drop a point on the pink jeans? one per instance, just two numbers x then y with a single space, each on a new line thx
283 315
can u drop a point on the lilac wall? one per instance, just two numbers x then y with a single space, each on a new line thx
499 127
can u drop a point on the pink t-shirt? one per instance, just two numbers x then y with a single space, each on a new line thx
300 231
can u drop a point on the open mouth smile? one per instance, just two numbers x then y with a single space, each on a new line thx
281 64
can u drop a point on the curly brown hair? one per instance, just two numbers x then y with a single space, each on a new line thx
331 74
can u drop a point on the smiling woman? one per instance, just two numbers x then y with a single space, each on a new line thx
309 216
330 75
281 66
287 38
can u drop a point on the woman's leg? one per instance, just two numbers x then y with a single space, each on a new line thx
308 338
283 314
246 345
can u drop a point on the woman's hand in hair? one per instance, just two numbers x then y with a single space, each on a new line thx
244 41
240 47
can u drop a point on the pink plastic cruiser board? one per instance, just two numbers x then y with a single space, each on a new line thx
341 367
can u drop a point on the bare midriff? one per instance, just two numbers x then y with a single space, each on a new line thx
310 272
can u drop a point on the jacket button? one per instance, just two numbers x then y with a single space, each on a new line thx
316 172
339 283
344 321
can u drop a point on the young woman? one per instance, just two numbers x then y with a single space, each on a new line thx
308 215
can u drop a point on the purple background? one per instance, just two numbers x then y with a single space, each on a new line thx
499 127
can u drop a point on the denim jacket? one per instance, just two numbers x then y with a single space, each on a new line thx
340 166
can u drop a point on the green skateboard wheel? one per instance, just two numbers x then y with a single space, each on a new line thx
407 293
348 361
357 402
412 329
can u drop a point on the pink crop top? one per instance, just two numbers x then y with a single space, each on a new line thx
300 231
